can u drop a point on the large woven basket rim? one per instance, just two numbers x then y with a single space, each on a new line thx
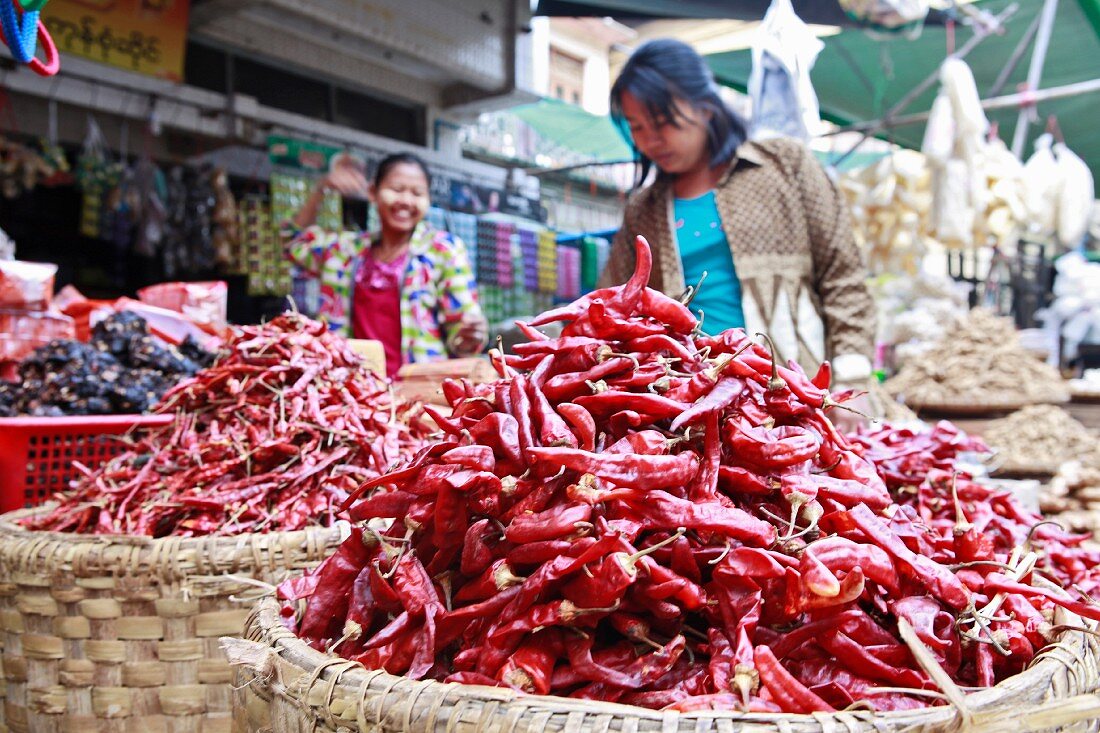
378 685
978 408
46 550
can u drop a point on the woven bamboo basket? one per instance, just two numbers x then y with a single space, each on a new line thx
285 686
120 634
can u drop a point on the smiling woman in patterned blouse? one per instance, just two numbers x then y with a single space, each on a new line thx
760 218
409 286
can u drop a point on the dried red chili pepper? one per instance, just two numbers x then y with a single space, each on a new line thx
500 432
492 580
662 343
552 429
386 504
606 403
656 509
634 471
477 457
537 553
551 524
569 385
775 448
328 605
584 427
791 695
477 554
998 583
625 300
605 584
531 666
935 577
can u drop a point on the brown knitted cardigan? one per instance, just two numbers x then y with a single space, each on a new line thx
801 272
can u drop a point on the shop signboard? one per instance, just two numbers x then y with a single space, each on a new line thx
474 199
146 36
301 155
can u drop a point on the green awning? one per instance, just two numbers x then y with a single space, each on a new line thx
858 77
824 12
590 136
812 11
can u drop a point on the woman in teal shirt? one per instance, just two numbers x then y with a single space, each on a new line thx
760 218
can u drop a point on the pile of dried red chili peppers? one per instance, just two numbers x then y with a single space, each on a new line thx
273 437
642 514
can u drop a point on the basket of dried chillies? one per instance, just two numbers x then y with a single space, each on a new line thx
639 527
112 599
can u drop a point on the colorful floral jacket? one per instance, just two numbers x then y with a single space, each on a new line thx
437 291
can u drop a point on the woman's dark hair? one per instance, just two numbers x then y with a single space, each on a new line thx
659 72
391 161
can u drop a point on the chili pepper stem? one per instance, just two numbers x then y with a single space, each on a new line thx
597 387
775 383
693 290
632 357
504 578
981 621
630 561
570 611
445 584
352 630
1031 532
962 524
828 403
980 563
698 330
795 506
723 554
745 680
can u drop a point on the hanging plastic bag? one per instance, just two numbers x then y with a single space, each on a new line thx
939 133
953 209
955 145
971 123
888 14
1044 182
1074 197
783 53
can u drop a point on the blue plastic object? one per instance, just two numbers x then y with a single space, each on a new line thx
21 33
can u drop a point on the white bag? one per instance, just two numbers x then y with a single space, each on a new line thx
939 133
1075 196
784 49
887 13
954 207
1043 180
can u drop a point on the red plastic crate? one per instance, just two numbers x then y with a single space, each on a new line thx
37 453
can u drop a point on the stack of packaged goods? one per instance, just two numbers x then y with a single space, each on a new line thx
528 236
464 226
548 262
437 219
261 248
569 273
289 193
503 243
594 254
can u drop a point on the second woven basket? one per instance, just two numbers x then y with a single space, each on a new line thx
106 633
